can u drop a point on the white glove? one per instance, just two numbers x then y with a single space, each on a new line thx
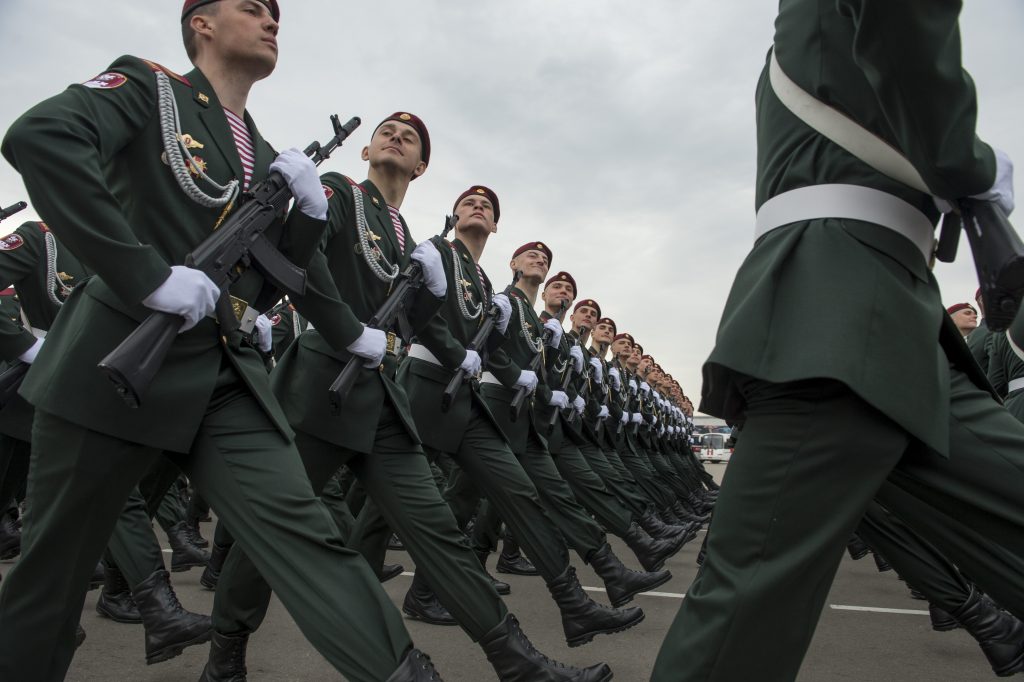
555 327
504 311
299 171
625 418
636 417
632 386
187 292
579 403
655 418
264 333
471 363
429 258
559 399
613 378
527 379
371 346
29 356
598 370
603 414
576 353
1001 192
661 432
644 387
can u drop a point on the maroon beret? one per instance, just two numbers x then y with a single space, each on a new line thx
562 277
638 347
192 5
608 321
957 307
624 335
535 246
417 123
588 303
487 192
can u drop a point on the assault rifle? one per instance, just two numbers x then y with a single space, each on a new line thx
535 363
12 209
237 244
998 257
390 312
479 341
581 338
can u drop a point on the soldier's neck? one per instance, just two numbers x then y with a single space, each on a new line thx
529 287
231 85
556 311
474 241
392 187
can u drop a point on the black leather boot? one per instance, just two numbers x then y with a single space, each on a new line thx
659 530
415 667
515 659
79 635
169 627
98 577
500 586
227 659
652 553
10 535
1000 635
389 571
582 617
211 574
622 583
394 543
422 604
941 620
116 601
184 555
194 534
880 563
513 562
856 547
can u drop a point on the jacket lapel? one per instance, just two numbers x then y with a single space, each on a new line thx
213 118
379 219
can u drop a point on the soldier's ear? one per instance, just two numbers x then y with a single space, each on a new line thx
365 154
419 170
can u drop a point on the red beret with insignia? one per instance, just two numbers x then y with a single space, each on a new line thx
535 246
649 357
608 321
638 347
624 335
481 190
588 303
562 277
417 123
957 307
192 5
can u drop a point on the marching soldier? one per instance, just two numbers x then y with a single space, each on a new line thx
889 406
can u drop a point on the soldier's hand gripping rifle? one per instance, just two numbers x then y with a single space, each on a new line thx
223 256
12 209
998 257
391 311
535 364
478 341
566 380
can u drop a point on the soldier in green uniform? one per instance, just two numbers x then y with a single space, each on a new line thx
875 394
366 246
131 212
965 317
977 341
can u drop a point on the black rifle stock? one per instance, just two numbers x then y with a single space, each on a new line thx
408 282
998 257
566 380
535 361
479 341
237 244
12 209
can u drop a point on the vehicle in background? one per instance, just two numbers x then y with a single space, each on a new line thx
714 447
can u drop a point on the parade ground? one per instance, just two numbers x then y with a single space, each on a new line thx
871 631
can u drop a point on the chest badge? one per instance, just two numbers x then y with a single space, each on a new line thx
190 142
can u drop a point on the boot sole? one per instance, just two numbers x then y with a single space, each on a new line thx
209 584
626 598
507 571
428 621
117 619
176 649
587 637
181 568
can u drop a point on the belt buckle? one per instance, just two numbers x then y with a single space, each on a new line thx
245 314
392 344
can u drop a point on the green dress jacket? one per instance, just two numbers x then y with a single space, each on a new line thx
844 299
123 215
309 365
446 336
1003 367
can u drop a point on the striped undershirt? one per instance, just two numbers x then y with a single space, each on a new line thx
243 143
399 232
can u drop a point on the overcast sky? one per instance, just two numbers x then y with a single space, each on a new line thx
620 133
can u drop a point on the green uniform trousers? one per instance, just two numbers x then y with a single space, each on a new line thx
398 479
591 492
646 478
616 477
252 476
811 458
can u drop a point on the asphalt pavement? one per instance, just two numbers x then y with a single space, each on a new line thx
871 631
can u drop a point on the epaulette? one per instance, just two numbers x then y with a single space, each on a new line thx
356 184
43 226
9 291
158 67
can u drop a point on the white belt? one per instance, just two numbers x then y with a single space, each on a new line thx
852 202
488 378
1015 385
420 352
38 333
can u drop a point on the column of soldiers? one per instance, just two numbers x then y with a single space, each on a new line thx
163 160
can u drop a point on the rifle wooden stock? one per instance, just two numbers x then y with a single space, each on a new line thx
238 242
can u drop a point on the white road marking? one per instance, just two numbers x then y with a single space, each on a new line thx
877 609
